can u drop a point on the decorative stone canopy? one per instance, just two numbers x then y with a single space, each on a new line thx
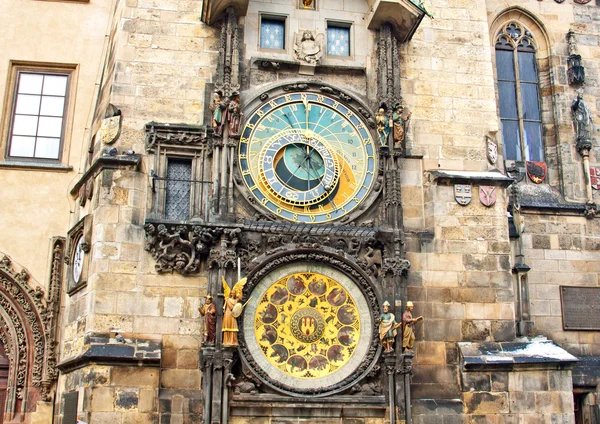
404 15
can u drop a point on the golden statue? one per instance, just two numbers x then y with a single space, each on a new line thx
408 323
232 309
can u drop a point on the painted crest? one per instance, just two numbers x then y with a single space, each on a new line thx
492 150
109 129
536 171
595 177
582 1
463 193
487 195
559 1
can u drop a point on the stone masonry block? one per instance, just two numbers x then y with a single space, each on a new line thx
143 377
433 353
486 403
103 399
181 379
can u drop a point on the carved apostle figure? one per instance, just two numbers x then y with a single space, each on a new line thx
383 126
408 323
399 122
234 114
387 328
209 312
216 107
232 309
308 47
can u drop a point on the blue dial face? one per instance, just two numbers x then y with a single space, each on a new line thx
307 158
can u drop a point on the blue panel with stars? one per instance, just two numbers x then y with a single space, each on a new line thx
338 41
272 34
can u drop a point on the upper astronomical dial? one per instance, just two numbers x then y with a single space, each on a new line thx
307 158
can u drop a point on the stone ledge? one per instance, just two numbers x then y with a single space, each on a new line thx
106 162
103 350
526 354
473 177
36 166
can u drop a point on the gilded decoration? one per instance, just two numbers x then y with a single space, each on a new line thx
307 325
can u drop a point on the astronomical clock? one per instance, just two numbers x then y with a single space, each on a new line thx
309 161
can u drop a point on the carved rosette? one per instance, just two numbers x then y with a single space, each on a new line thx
27 329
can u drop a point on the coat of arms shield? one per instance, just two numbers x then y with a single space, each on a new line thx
487 195
463 193
595 177
536 171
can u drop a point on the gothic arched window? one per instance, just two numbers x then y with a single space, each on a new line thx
519 93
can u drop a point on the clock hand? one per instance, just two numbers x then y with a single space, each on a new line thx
329 199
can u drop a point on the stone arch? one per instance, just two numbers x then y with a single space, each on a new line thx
27 333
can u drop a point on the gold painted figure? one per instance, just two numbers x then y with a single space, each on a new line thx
387 328
232 309
399 122
408 323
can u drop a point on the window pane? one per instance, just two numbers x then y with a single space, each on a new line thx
508 99
22 146
510 137
50 127
53 106
531 105
47 148
338 41
55 85
30 83
533 141
27 104
177 204
272 34
527 70
25 125
505 65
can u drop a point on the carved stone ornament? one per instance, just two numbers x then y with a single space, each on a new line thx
110 129
308 46
491 150
286 261
173 135
536 171
463 193
595 177
591 210
487 195
396 266
582 122
27 331
179 248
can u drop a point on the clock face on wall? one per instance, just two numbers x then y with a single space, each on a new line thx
77 261
307 158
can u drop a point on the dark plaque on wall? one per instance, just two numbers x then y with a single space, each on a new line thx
580 308
70 408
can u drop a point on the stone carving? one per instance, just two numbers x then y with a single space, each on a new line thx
351 271
408 323
388 67
308 47
591 210
179 248
110 129
387 328
173 135
582 122
27 328
400 121
516 171
228 63
232 309
234 114
209 312
396 266
372 260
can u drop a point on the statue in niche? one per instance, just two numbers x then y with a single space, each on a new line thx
399 121
387 328
408 323
307 4
308 47
383 126
582 120
216 107
234 114
209 312
232 309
